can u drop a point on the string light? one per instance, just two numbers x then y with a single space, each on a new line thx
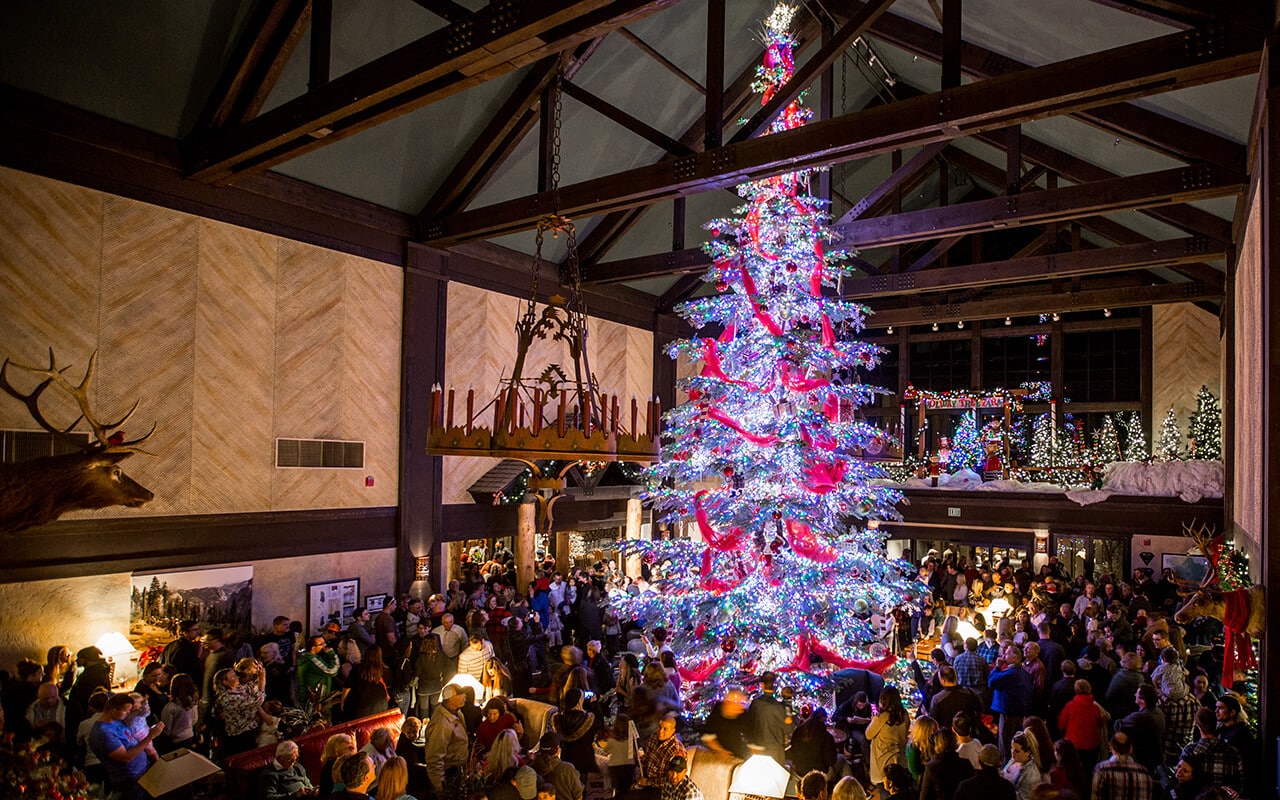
1008 320
935 326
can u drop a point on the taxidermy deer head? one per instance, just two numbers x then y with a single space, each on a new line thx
43 489
1209 601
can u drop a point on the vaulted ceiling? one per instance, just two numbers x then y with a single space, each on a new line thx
984 155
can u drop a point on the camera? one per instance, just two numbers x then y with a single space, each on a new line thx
590 695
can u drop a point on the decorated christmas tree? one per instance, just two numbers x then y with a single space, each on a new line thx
1106 443
1168 445
762 461
967 450
1205 431
1135 438
1044 445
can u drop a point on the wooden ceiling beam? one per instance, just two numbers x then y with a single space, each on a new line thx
1051 205
271 33
1145 68
497 39
830 52
1149 128
447 10
666 63
1035 300
1187 218
1190 13
637 126
916 167
506 128
605 233
681 290
1040 267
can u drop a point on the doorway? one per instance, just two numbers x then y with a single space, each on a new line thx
1090 556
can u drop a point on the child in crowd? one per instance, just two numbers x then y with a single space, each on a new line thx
1170 678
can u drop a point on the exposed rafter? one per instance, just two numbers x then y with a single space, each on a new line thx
1052 205
506 128
615 225
898 179
1150 128
270 35
1035 300
1150 67
447 10
1035 268
637 126
499 38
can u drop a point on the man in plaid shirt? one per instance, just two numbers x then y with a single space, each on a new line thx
1120 777
990 647
1217 761
971 668
1179 725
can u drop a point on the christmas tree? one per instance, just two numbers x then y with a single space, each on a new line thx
1135 438
1106 443
762 459
1168 447
1044 445
967 451
1205 430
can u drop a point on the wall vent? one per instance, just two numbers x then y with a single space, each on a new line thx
319 454
25 445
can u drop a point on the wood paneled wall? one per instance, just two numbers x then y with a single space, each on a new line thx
481 347
229 337
1186 354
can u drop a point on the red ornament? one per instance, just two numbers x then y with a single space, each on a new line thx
721 286
694 394
791 266
728 472
777 515
728 644
715 231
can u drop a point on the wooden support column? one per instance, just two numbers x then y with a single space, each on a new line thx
1013 160
975 356
321 43
1267 166
666 329
951 43
1146 360
526 544
564 561
631 567
677 224
713 135
424 323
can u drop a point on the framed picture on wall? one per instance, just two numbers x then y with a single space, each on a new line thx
375 603
1186 567
332 601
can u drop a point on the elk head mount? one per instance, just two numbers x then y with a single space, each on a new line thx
41 490
1242 611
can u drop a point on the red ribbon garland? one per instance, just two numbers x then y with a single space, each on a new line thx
796 383
807 645
702 672
821 441
824 478
815 278
755 438
714 540
805 543
749 286
1238 648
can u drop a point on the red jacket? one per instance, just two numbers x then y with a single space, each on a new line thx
1081 722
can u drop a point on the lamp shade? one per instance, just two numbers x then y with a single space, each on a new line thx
762 776
114 644
465 679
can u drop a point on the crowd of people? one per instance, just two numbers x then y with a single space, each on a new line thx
1041 687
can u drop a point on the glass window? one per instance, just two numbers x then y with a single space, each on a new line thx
1010 361
941 366
1102 366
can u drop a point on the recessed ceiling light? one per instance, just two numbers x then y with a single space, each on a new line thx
935 326
1008 321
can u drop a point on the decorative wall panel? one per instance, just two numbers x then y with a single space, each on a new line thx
1186 355
1249 401
229 337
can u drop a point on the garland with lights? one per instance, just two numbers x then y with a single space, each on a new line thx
761 461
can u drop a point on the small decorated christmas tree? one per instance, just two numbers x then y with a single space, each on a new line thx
1169 444
967 451
1044 446
1135 438
1106 443
1205 431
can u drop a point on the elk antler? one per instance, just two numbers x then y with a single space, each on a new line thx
103 432
1203 537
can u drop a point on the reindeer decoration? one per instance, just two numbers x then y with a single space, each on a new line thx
43 489
1242 611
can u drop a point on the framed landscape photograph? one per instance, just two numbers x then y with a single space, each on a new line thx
332 601
1191 569
375 603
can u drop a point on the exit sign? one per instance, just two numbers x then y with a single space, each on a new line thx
953 512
